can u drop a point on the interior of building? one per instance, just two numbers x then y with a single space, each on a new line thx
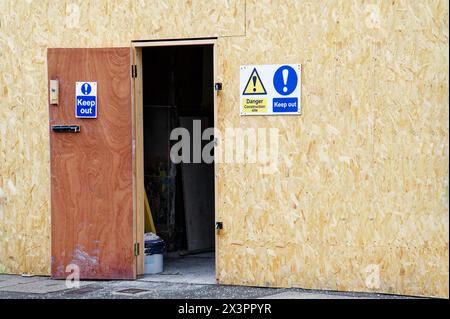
178 93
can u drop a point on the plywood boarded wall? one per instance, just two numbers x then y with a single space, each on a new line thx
359 200
362 184
27 29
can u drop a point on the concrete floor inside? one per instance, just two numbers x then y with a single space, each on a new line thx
189 269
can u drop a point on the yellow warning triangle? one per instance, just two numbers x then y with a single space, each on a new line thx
254 85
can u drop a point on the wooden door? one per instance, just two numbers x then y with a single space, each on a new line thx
92 171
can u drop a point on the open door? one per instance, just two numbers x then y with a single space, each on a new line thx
91 169
181 196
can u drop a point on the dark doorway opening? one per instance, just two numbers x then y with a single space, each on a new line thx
178 93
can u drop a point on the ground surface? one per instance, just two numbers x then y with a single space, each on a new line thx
183 278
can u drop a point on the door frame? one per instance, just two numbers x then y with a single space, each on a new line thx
138 138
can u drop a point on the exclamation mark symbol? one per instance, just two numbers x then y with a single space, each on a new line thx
85 88
285 78
254 83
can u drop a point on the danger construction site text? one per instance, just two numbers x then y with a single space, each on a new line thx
225 309
255 101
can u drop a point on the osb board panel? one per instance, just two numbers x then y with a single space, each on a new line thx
362 183
27 29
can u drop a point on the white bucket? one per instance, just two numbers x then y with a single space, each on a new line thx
153 264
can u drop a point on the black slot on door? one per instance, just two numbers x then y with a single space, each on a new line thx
66 128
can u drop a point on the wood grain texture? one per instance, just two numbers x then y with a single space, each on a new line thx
91 171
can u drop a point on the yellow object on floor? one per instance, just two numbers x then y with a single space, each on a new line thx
149 224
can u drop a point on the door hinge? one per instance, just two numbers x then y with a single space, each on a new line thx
133 71
136 249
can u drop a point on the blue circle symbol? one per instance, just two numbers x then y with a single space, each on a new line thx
86 88
285 80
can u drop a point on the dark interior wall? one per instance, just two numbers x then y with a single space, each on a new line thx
179 75
177 82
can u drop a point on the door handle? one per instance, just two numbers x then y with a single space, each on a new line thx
66 128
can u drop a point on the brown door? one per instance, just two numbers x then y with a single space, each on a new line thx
91 170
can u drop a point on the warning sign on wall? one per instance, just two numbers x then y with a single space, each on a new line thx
254 85
270 89
86 99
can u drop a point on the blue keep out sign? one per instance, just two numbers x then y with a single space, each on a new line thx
86 99
285 82
285 105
